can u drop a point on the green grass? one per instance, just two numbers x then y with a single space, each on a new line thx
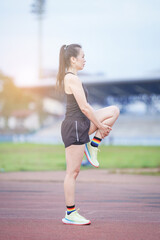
129 157
40 157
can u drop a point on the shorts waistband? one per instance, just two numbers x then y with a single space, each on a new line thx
75 118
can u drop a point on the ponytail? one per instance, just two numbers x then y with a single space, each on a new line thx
62 68
66 52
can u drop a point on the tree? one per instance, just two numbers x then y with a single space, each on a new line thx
11 98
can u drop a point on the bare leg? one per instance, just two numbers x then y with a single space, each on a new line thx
106 115
74 156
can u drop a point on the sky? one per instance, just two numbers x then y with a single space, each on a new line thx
119 38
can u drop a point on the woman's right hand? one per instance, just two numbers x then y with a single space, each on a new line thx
104 130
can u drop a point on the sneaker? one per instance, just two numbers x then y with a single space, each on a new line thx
91 154
75 218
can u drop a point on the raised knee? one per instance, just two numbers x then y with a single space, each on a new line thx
116 111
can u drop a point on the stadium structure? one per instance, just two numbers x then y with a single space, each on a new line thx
138 100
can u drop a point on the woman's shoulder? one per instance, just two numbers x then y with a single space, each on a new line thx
71 79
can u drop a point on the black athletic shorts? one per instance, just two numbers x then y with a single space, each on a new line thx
75 131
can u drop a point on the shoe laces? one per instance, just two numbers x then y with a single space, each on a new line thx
79 214
77 211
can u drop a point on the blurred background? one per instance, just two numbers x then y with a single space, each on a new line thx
121 42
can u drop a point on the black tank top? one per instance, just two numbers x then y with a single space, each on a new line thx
72 108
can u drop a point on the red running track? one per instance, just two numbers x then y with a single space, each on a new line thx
118 211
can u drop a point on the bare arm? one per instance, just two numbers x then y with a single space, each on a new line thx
76 88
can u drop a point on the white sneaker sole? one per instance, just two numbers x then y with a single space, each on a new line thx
89 157
65 221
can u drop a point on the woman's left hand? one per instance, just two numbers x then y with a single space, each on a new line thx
108 130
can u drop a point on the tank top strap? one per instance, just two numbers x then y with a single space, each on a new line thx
69 72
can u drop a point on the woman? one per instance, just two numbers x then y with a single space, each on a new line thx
80 121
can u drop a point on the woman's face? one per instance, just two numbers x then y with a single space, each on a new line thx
80 60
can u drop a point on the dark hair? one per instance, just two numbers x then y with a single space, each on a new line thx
66 52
